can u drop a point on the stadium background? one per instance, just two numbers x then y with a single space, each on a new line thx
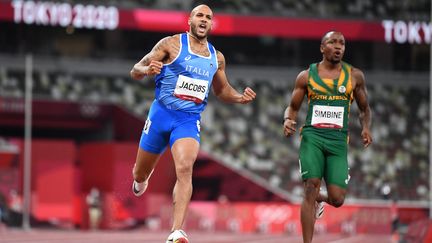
88 114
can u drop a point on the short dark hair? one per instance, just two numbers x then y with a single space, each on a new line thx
325 36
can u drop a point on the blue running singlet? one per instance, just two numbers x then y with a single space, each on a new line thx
184 84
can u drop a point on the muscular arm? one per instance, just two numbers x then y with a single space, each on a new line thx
222 88
152 63
360 95
290 114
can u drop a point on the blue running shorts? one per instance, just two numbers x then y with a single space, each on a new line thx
164 125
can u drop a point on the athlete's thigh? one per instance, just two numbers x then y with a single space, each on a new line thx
336 166
185 152
188 127
185 140
311 157
156 131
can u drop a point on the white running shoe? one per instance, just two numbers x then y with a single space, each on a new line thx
138 188
177 236
319 209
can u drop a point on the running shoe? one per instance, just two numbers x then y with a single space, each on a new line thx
177 236
138 188
319 209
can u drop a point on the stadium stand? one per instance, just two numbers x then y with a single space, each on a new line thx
250 137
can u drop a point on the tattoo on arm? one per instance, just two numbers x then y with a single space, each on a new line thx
174 46
220 60
160 51
220 63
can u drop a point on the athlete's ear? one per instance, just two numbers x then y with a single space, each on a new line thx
189 21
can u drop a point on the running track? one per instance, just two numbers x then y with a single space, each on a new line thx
135 236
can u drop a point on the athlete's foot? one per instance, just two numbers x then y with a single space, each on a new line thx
177 236
138 188
319 209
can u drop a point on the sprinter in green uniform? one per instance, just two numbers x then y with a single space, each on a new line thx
330 86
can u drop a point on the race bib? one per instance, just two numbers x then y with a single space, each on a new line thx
327 116
191 89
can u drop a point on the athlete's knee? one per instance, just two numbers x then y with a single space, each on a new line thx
311 189
184 169
336 195
336 201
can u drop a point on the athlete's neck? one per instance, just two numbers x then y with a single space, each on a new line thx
331 65
202 42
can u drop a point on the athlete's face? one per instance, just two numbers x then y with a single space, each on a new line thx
333 47
200 21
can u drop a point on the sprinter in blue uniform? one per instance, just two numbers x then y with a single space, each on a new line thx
186 68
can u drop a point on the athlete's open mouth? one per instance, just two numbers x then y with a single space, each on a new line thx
202 27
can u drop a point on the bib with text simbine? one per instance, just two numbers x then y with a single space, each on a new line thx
327 116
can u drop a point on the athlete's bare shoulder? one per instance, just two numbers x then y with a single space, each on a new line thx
173 41
220 60
302 78
169 45
358 76
303 73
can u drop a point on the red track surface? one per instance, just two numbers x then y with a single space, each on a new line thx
135 236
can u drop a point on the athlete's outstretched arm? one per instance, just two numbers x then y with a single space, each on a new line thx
360 95
224 91
151 63
290 114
